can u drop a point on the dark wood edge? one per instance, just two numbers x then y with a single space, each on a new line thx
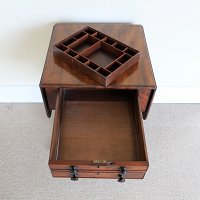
103 175
150 100
56 125
75 86
45 100
142 149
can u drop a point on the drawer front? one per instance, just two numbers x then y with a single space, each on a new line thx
129 175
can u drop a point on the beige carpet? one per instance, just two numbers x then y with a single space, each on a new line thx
173 141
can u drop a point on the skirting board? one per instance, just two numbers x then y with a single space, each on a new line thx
31 94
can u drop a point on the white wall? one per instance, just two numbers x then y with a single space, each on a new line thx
172 30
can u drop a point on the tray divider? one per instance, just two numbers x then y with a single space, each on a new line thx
91 49
94 34
88 62
125 49
119 62
104 39
114 44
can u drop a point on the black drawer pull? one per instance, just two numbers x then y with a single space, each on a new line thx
74 178
122 171
121 179
73 170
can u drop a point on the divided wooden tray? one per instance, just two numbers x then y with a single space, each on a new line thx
96 133
97 55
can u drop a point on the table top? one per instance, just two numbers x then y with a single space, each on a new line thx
60 74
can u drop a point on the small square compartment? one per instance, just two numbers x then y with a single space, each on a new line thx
99 36
90 31
109 41
61 47
82 59
92 65
103 72
79 35
69 41
131 52
71 53
98 125
124 58
114 66
120 46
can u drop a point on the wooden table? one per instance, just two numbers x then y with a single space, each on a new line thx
98 130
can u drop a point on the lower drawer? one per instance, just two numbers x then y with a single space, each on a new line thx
99 131
113 175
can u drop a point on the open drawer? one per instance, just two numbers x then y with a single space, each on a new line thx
98 133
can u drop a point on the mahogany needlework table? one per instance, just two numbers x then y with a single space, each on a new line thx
98 130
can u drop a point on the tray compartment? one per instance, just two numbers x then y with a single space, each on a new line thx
109 41
114 66
62 47
71 52
102 54
90 31
98 125
92 65
103 72
99 36
69 41
120 46
100 49
124 58
131 52
80 35
82 59
83 43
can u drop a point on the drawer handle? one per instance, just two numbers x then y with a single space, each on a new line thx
74 178
73 170
122 171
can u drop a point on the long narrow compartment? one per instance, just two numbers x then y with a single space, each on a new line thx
100 125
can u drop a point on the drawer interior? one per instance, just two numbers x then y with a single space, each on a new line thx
98 125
